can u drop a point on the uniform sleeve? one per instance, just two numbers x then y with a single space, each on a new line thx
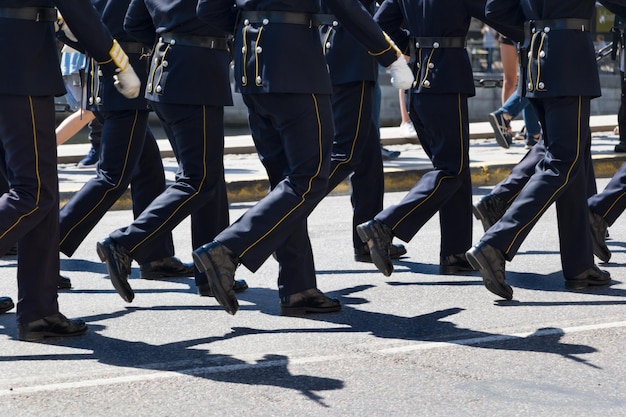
87 26
389 16
220 14
138 23
507 17
362 27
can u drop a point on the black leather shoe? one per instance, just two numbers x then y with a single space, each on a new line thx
12 251
64 283
240 285
489 210
594 276
118 263
453 264
219 264
308 301
598 236
378 237
6 304
490 262
620 147
54 325
170 267
362 254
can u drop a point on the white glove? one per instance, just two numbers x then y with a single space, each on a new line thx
401 75
126 80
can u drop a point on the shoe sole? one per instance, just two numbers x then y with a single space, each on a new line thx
454 270
581 285
602 252
496 130
153 277
204 264
301 311
377 259
492 284
368 259
40 336
121 286
481 216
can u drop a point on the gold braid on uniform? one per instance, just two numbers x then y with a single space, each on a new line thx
392 45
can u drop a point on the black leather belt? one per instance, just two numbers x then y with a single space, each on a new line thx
560 24
134 47
209 42
439 42
295 18
37 14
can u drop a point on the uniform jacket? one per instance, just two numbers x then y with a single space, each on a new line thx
561 62
288 58
178 73
101 93
348 61
443 70
33 44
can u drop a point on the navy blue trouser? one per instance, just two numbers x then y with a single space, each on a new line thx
29 211
441 122
196 133
561 177
611 202
293 134
129 154
356 151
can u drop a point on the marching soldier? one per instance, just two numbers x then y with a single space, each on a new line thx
29 211
560 77
281 71
129 154
188 87
436 41
356 147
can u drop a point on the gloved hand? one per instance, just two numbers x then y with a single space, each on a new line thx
401 75
126 80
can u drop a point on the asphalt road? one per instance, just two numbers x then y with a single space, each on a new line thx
415 343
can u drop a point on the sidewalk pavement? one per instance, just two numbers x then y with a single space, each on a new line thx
247 181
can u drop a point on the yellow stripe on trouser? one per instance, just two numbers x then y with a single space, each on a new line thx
36 150
356 133
191 197
462 153
303 198
549 201
115 187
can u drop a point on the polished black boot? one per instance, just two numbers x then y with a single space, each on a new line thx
240 285
170 267
362 254
54 325
378 237
118 263
489 210
490 262
453 264
593 277
308 301
598 236
219 264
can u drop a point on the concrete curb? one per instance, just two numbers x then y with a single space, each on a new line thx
396 179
